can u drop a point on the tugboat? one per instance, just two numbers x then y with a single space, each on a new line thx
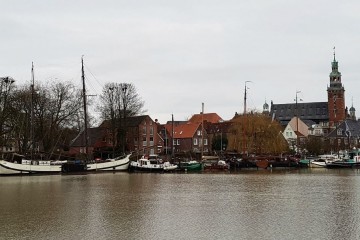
151 164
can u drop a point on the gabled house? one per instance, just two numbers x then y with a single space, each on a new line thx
190 137
295 133
141 135
345 136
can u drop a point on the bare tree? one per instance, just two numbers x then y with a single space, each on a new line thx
6 111
56 107
119 101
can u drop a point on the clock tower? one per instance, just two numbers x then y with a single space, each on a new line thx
336 96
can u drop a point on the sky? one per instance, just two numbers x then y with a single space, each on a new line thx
182 53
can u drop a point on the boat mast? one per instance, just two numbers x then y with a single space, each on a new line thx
32 137
85 110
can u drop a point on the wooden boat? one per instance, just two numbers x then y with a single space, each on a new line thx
30 167
116 164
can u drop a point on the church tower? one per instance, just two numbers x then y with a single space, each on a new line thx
336 96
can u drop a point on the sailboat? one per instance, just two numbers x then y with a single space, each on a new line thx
120 163
31 166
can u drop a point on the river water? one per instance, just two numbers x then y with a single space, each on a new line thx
254 204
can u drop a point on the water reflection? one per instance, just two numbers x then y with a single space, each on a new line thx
288 204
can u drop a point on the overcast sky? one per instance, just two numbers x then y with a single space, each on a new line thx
182 53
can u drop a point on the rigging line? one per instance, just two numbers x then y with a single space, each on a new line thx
98 82
56 144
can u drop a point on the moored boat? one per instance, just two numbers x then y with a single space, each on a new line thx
191 166
353 162
30 167
116 164
220 165
263 163
151 165
323 160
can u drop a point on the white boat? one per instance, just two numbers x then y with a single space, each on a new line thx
29 167
116 164
323 160
151 165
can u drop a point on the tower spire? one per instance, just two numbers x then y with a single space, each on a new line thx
334 55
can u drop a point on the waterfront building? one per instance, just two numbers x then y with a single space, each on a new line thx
328 114
141 137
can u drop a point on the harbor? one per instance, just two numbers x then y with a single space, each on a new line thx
266 204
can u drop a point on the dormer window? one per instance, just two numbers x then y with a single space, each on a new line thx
339 132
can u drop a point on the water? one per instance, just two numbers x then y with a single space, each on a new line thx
287 204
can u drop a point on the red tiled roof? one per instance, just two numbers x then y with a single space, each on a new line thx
187 130
209 117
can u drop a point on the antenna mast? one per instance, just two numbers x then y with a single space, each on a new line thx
244 132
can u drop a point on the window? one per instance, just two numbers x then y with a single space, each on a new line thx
178 141
174 142
205 142
144 130
151 141
198 132
151 130
339 131
195 141
144 141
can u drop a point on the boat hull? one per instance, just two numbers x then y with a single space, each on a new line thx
145 169
10 168
341 164
114 165
315 164
193 167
